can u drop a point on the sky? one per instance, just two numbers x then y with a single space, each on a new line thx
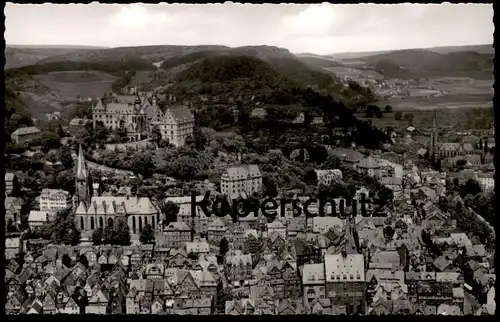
319 29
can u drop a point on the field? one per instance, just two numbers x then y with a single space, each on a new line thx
460 119
67 86
447 101
462 86
141 77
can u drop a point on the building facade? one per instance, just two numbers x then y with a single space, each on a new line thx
327 177
25 134
54 200
345 281
123 112
176 234
176 124
370 166
245 179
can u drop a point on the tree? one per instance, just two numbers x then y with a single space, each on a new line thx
332 162
469 200
49 140
222 297
409 118
83 259
388 109
97 236
66 260
143 164
156 134
63 229
66 158
170 210
11 228
223 246
147 235
385 195
198 140
398 115
310 176
471 187
270 183
109 234
60 131
122 232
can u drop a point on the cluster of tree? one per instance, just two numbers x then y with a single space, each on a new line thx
117 67
147 235
114 234
169 210
61 231
483 204
373 110
468 221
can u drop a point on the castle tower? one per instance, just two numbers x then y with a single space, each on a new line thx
434 139
82 179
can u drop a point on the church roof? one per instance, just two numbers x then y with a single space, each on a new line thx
369 163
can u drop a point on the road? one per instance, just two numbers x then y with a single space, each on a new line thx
100 167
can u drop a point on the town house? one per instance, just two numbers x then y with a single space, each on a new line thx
176 234
240 179
345 281
238 267
25 134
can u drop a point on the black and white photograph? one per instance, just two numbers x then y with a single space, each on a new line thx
245 159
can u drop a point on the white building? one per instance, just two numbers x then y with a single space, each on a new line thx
38 218
327 177
278 227
322 225
486 180
55 200
241 179
369 166
175 125
313 280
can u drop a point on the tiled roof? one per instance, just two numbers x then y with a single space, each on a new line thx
26 130
38 216
339 268
181 114
368 163
112 205
243 172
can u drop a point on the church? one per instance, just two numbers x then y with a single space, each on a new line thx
449 151
94 212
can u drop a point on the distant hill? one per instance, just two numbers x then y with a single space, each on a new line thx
279 59
319 62
249 76
150 53
422 63
55 47
480 49
20 55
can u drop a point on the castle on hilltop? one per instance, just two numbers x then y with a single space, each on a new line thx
138 116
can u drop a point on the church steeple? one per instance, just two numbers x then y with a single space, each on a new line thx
434 138
82 179
81 168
